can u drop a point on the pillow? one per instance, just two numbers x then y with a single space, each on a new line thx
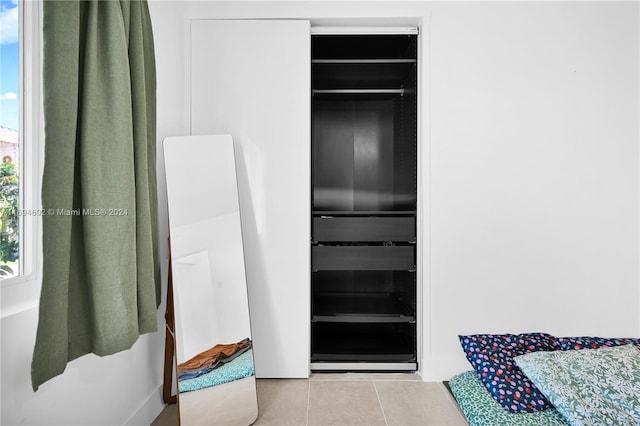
591 386
491 356
570 343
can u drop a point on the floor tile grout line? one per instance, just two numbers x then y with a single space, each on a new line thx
384 416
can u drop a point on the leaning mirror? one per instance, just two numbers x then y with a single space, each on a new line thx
215 370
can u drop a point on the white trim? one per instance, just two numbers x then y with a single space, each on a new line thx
148 410
31 150
440 369
421 144
423 255
423 341
322 30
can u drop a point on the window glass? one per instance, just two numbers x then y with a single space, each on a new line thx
10 212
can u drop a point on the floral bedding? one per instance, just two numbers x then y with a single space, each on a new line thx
589 387
491 356
588 342
481 409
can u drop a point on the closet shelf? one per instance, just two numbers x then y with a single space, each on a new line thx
363 61
364 213
367 46
361 342
363 356
361 308
364 319
363 74
358 91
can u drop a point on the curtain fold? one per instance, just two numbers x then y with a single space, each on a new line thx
101 284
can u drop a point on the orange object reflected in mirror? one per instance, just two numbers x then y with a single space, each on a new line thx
214 350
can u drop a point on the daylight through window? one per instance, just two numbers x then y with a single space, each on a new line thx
9 139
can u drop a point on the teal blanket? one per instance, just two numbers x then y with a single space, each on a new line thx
589 387
481 409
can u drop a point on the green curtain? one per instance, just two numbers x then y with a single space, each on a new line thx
100 284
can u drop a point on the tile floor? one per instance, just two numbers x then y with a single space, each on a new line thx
349 399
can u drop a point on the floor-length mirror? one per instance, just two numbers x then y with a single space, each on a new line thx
214 356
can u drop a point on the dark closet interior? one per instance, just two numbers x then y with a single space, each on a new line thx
364 166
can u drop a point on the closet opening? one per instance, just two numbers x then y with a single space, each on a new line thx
364 195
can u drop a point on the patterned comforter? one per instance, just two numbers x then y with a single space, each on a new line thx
589 387
481 409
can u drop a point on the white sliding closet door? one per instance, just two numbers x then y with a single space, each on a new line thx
251 79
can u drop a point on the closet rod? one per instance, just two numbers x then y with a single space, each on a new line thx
364 91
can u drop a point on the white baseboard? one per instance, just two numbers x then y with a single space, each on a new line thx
148 410
438 370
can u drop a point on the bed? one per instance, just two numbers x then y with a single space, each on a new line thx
536 379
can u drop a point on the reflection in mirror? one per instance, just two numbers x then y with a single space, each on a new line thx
216 380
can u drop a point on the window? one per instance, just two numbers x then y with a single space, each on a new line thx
21 147
10 151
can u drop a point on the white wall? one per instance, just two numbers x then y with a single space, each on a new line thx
124 388
529 159
534 172
119 389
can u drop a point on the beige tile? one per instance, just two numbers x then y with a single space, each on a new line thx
282 402
344 403
395 376
168 416
417 403
453 402
340 376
